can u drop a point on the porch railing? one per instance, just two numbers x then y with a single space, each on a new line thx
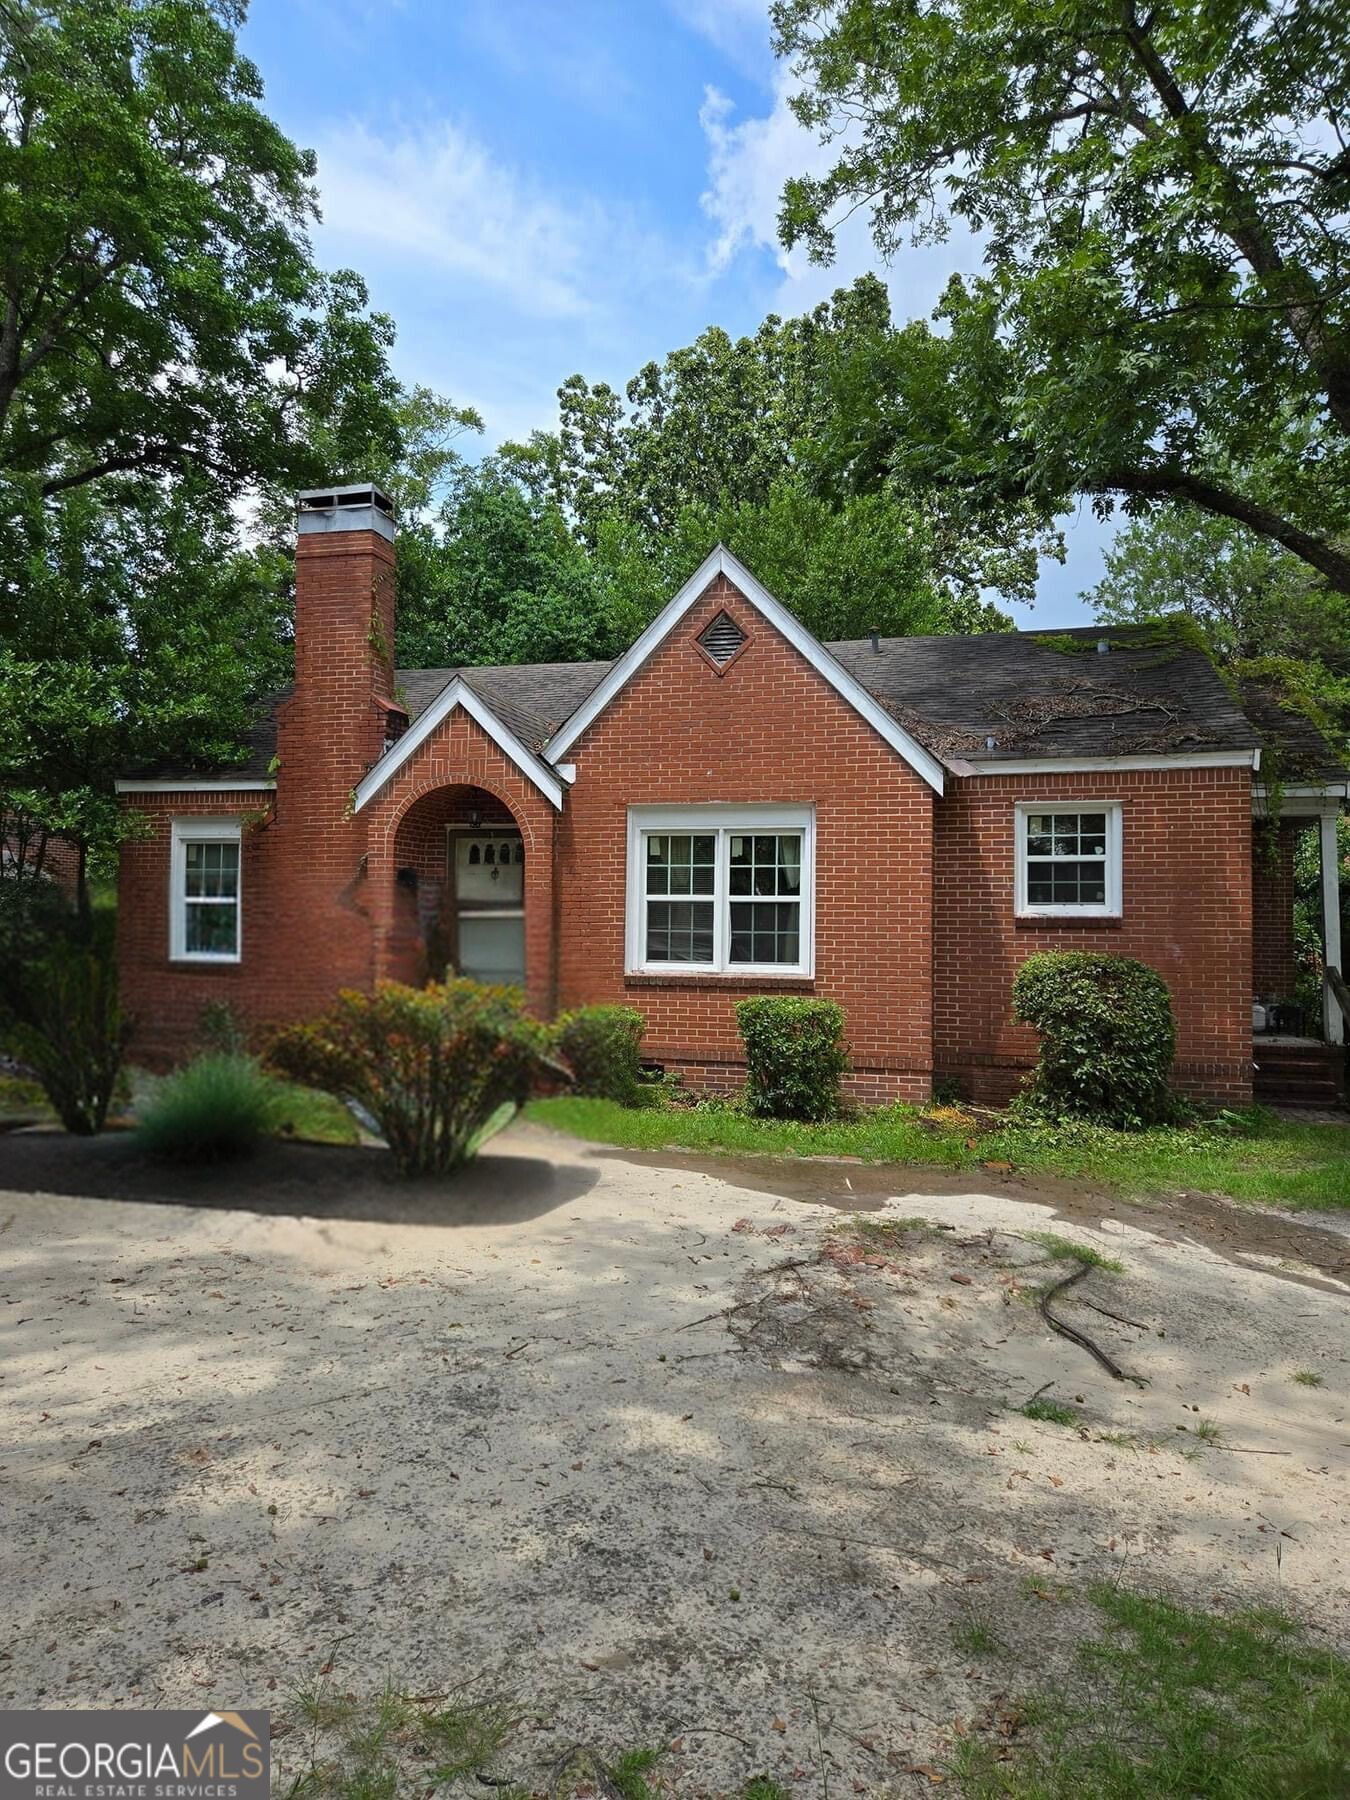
1336 987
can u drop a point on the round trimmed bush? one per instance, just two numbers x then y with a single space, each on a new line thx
795 1055
1107 1036
600 1045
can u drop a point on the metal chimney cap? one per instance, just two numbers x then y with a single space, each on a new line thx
355 506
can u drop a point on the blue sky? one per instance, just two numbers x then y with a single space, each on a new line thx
534 189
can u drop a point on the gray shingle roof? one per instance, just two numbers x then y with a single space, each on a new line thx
1042 693
1038 693
530 699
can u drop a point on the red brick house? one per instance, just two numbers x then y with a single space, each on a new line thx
730 808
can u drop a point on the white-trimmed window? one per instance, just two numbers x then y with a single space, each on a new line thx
721 890
204 893
1068 859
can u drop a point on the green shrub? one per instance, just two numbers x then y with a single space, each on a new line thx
600 1045
1107 1037
214 1108
795 1055
65 1023
438 1067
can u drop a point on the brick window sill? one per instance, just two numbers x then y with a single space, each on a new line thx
1067 922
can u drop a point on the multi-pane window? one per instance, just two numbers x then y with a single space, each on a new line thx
720 896
205 899
1068 859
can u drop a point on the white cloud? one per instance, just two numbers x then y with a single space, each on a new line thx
738 28
748 162
437 197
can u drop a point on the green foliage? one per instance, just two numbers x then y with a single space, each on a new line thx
214 1108
1260 1159
165 313
1251 598
1049 1412
1107 1036
437 1066
766 440
795 1055
1062 1249
1159 199
63 1019
1177 1701
600 1044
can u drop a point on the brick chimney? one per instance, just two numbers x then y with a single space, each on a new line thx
344 614
333 726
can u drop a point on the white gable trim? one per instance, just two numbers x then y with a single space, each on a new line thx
458 693
1087 765
171 785
722 562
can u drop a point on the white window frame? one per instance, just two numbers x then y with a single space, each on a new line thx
1111 908
723 821
197 831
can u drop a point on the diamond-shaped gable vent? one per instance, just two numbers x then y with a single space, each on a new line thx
722 639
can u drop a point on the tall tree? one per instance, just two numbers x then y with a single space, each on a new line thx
724 423
159 306
1161 196
1251 598
132 628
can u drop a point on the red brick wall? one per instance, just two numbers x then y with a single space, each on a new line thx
401 822
165 999
306 909
1273 968
767 729
1187 912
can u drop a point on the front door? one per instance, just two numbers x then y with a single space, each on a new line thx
489 890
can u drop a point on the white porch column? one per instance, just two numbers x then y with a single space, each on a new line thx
1332 1019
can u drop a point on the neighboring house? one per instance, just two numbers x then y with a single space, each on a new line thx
730 808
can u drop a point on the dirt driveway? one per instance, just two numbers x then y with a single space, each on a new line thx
614 1434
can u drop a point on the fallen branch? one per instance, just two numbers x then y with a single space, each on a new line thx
1074 1336
725 1312
1106 1313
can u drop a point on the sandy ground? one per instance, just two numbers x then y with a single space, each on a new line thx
573 1424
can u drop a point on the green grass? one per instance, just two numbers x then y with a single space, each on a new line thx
1049 1412
1307 1378
977 1638
20 1099
1178 1702
1250 1156
1062 1249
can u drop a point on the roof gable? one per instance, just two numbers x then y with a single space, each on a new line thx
457 694
722 562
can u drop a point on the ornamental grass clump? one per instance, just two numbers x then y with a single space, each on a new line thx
215 1108
1107 1037
439 1068
795 1056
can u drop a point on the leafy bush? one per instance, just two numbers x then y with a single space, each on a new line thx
795 1054
64 1021
600 1045
221 1031
214 1108
438 1067
1107 1037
